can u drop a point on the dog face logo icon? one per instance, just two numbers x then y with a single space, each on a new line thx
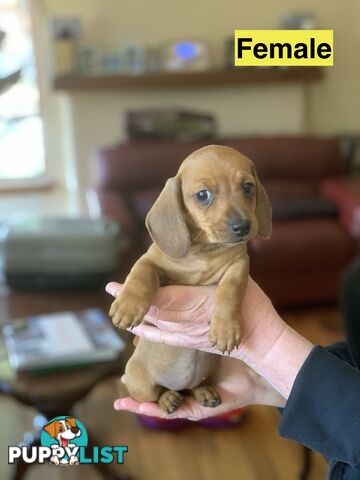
64 435
64 442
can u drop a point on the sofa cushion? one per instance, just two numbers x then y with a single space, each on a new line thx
282 189
143 200
304 158
307 244
303 287
135 165
308 207
345 192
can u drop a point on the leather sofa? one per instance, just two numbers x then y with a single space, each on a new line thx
316 206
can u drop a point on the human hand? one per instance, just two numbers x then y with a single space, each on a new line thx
237 384
180 317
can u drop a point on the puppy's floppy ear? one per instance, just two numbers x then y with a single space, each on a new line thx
51 428
165 221
263 209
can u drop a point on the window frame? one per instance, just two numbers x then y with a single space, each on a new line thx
45 180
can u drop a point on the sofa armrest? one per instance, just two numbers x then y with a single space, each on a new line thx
112 204
345 193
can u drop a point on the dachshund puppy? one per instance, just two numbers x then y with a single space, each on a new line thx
200 225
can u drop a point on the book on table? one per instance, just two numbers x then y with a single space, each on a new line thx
63 339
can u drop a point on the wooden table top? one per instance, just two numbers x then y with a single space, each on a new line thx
73 381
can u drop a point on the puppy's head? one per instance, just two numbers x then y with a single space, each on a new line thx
63 430
216 197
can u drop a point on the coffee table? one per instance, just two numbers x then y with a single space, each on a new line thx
41 391
16 304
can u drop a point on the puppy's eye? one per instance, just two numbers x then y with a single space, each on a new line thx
205 197
249 189
61 429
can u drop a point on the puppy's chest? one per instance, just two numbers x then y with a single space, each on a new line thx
198 268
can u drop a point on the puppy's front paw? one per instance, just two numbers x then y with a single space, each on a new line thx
127 312
224 334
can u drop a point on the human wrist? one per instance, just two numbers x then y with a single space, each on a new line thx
281 365
265 394
275 351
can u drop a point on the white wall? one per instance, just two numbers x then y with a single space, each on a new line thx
333 105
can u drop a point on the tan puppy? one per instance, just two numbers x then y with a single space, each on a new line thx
200 225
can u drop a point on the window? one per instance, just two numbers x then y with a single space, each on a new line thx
21 136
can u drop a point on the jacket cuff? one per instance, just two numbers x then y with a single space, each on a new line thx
322 409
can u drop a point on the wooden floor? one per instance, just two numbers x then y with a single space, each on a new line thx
250 451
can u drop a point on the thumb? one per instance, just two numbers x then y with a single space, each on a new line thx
114 288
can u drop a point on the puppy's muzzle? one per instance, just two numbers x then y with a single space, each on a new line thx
240 227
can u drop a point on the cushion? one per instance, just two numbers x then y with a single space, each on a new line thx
143 200
278 189
306 244
302 158
308 207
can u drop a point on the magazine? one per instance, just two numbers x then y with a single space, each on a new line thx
61 339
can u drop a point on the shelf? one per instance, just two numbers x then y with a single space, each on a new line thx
215 78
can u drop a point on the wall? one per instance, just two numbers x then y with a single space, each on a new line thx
333 105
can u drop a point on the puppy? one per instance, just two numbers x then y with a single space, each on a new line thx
200 225
63 431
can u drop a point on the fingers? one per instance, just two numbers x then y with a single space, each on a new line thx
127 403
114 288
176 304
174 298
189 409
147 408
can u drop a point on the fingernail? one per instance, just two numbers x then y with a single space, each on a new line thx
111 288
134 330
117 405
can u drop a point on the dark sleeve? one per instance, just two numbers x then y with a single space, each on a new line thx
323 410
341 350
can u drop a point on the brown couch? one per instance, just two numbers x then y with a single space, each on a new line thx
316 205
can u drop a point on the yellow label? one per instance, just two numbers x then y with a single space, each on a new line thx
284 48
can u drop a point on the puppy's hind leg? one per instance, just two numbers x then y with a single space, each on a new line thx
143 389
206 396
170 401
139 383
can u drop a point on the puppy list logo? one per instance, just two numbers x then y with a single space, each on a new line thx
64 441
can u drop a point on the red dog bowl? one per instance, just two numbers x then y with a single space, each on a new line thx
225 420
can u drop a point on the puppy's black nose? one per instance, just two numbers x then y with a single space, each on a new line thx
75 429
241 228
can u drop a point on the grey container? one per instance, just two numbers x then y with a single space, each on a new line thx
43 253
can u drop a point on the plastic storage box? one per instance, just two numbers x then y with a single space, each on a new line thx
59 253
